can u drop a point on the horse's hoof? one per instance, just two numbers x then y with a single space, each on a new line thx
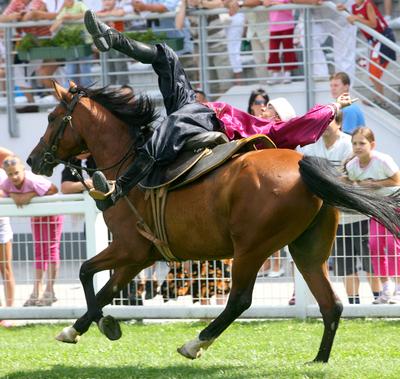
193 349
187 354
68 335
109 326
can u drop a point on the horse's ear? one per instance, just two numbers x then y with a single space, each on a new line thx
60 91
72 84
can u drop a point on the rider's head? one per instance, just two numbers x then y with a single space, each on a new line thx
279 109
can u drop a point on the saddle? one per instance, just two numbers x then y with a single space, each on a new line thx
200 155
190 165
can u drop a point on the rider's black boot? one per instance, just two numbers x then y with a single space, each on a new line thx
107 194
106 38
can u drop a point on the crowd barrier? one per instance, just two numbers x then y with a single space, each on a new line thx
85 234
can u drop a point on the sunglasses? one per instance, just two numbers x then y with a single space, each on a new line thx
10 162
259 102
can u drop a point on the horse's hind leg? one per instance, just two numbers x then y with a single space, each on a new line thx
310 253
244 276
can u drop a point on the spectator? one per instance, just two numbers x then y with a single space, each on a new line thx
22 73
225 34
281 30
6 235
333 145
352 234
166 24
201 97
387 9
258 99
71 11
375 170
70 183
344 39
366 12
116 60
48 12
353 116
257 34
22 186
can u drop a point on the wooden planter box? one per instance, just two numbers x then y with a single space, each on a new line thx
55 52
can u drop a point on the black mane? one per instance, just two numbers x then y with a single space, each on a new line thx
137 111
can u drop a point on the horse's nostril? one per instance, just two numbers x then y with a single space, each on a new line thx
29 161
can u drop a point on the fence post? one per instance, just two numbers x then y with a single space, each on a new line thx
203 53
13 127
96 237
310 98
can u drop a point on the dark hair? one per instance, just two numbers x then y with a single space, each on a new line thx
253 95
200 92
342 76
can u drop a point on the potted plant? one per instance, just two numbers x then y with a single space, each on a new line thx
151 37
66 44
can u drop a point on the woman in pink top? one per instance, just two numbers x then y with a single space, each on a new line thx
22 186
281 29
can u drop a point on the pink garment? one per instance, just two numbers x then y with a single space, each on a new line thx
32 183
301 130
46 231
385 250
284 16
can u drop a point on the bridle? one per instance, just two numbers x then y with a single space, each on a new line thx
49 155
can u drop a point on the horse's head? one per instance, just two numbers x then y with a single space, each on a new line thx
60 140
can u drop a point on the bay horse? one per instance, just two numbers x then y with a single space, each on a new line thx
248 208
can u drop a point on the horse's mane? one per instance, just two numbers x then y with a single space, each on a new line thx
137 111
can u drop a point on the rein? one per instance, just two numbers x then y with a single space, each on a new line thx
51 149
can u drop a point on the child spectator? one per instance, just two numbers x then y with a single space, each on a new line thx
376 170
74 10
281 28
22 186
366 12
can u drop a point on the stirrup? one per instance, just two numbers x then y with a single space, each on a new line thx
99 195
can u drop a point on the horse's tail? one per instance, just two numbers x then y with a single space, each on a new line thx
324 181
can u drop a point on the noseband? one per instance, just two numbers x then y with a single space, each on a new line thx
49 156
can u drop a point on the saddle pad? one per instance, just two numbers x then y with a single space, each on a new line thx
188 168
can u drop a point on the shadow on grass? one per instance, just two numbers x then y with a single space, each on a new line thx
175 372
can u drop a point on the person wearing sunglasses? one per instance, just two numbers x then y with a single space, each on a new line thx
257 100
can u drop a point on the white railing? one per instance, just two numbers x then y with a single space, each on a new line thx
269 299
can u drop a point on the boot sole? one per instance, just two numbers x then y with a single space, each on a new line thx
100 182
90 20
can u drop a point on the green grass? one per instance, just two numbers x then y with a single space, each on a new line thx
271 349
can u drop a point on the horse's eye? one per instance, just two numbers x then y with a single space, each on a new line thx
51 118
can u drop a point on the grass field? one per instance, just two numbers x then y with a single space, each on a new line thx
270 349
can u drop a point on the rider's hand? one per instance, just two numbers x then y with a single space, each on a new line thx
344 100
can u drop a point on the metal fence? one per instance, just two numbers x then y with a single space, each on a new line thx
208 63
184 290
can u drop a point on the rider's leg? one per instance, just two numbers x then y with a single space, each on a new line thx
140 167
173 83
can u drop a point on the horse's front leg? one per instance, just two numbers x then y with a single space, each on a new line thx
243 278
105 260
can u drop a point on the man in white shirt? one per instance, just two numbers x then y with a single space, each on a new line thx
333 145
